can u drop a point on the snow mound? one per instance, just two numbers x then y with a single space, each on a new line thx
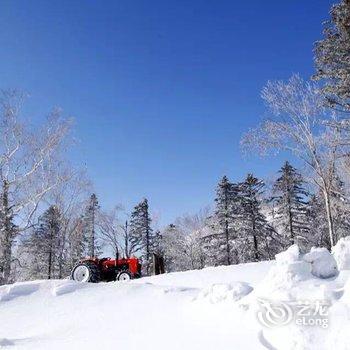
289 256
341 253
19 289
206 307
285 274
6 342
66 287
220 292
323 264
251 273
346 293
166 290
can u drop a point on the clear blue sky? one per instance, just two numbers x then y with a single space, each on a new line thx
161 90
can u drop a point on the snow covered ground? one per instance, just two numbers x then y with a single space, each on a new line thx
214 308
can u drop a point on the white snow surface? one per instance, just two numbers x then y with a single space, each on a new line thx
323 264
213 308
341 253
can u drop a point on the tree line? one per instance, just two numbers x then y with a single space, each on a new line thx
309 120
253 222
249 222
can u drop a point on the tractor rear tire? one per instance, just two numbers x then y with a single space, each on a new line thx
86 272
124 276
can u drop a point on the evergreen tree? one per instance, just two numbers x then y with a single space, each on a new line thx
291 208
90 234
44 245
141 234
332 56
219 242
257 238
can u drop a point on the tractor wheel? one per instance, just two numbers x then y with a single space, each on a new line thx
86 272
124 276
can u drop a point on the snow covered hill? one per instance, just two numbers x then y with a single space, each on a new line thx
214 308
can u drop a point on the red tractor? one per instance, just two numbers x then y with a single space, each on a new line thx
106 269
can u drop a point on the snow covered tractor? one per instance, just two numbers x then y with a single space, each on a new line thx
106 270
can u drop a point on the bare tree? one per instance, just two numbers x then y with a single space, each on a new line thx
115 232
192 227
302 126
69 196
30 167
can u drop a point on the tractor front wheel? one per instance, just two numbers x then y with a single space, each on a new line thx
86 272
124 276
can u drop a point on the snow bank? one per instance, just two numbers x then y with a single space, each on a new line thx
217 293
323 264
66 287
149 313
341 253
251 273
289 256
291 268
288 270
19 289
158 312
346 293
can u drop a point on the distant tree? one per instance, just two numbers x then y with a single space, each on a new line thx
90 224
192 226
70 198
332 57
141 233
76 242
219 241
290 202
256 235
173 247
181 243
44 244
115 232
157 246
128 248
317 216
318 232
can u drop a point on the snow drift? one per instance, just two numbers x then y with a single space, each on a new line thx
323 264
341 253
216 307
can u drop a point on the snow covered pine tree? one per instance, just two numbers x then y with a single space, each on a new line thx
220 242
141 233
332 57
290 205
93 248
43 246
257 237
